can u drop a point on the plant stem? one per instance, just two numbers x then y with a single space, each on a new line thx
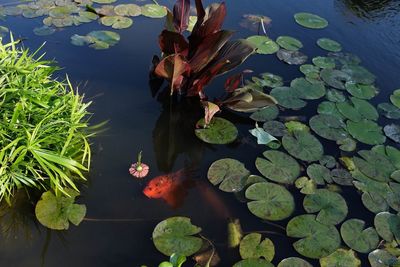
155 2
262 26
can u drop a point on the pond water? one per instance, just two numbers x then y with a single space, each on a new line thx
116 80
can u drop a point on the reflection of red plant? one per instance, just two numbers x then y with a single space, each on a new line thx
191 64
139 169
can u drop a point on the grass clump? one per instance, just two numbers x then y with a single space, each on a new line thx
43 125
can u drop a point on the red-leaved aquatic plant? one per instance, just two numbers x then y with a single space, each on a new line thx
139 169
190 64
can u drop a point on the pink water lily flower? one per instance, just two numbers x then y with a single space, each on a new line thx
139 169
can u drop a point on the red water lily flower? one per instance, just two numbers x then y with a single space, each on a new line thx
139 169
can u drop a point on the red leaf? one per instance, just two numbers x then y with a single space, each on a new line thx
173 68
181 15
209 111
208 49
235 81
173 43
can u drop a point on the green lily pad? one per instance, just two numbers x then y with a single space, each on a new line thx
289 43
154 11
85 16
253 263
293 126
324 62
318 239
328 161
104 1
60 12
55 212
374 165
270 201
116 22
342 177
359 74
347 144
329 108
382 258
271 80
266 114
388 226
331 206
219 131
335 96
341 257
357 109
335 78
358 238
310 71
306 90
294 262
392 131
263 44
306 186
278 167
303 145
13 11
251 246
231 174
363 91
366 131
329 45
395 98
287 98
275 128
43 31
131 10
311 21
329 127
176 235
320 174
291 57
389 111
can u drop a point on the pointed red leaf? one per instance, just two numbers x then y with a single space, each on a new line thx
210 109
235 81
181 15
172 43
173 68
208 49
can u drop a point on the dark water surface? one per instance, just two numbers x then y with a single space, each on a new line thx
117 82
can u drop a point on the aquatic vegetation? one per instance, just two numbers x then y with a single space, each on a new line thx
44 129
190 65
311 21
218 131
251 246
255 22
289 43
96 39
139 169
263 44
329 45
230 174
175 260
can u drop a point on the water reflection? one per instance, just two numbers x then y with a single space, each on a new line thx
370 9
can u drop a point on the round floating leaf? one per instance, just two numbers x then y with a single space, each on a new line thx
231 174
310 71
55 212
291 57
271 80
175 235
287 98
363 91
294 262
329 45
104 1
357 109
43 31
154 11
13 11
329 108
342 177
366 131
128 10
389 111
345 58
270 201
278 167
253 263
306 90
359 74
347 144
219 131
289 43
358 238
320 174
108 37
116 22
303 145
329 127
393 132
335 78
293 126
60 12
311 21
275 128
335 96
382 258
307 186
331 206
341 257
266 114
388 226
79 40
318 239
324 62
263 44
395 98
328 161
251 246
374 165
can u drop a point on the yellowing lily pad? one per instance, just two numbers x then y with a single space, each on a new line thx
116 22
251 246
154 11
341 257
